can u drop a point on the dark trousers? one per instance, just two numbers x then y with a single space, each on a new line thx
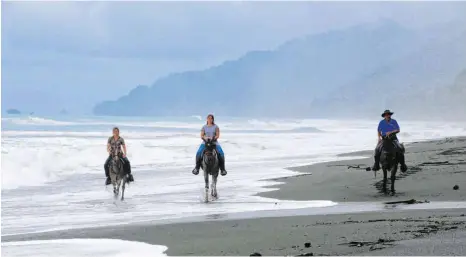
399 150
126 165
378 148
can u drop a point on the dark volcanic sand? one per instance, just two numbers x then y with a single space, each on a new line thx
434 168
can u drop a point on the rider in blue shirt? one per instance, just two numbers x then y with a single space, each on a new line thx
386 127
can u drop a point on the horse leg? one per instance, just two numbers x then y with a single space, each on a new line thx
214 184
123 186
393 177
384 184
116 191
114 184
206 180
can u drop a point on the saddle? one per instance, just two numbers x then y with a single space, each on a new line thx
400 149
208 153
120 158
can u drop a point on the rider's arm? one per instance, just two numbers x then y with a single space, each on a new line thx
379 131
202 133
397 127
394 131
123 145
217 133
108 146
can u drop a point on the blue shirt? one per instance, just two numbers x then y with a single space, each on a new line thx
389 126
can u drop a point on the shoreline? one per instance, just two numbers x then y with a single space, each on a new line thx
348 180
435 166
338 234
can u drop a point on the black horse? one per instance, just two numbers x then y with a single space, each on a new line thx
389 160
210 166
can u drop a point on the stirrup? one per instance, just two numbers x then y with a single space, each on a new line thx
195 171
403 168
223 172
129 177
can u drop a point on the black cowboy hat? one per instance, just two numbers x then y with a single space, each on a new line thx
386 112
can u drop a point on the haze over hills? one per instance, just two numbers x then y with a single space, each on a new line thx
359 71
449 102
411 83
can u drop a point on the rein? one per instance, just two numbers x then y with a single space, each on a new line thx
210 156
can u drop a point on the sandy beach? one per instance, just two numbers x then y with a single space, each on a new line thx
435 167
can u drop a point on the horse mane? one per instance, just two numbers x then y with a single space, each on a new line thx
388 145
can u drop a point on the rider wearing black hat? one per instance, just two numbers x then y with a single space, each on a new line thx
386 127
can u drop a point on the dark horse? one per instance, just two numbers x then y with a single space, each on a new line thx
117 176
210 166
389 160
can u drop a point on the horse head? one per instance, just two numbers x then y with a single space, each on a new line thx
210 151
387 142
210 146
388 156
116 162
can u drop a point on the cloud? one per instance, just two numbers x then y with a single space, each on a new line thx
125 29
74 45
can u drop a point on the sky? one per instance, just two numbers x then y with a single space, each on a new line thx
71 55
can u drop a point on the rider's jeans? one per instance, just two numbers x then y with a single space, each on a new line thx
202 147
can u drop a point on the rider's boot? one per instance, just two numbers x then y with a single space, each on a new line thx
107 180
221 163
403 167
376 165
107 173
129 176
198 165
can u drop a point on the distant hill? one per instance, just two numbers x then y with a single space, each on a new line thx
13 111
456 96
407 84
350 71
458 90
449 102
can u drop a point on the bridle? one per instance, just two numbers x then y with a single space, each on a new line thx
116 160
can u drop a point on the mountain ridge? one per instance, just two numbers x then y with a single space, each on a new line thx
299 76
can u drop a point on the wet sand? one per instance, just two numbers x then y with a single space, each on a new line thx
434 168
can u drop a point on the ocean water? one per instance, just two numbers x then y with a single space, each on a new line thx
52 171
